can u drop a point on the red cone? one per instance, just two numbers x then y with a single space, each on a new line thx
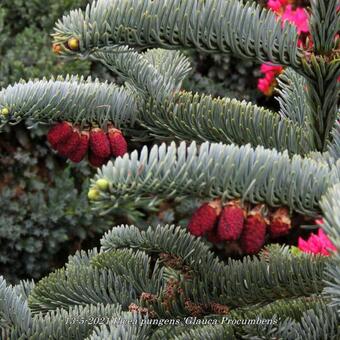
254 232
97 161
59 133
70 145
213 237
79 153
118 143
204 218
280 223
99 143
231 221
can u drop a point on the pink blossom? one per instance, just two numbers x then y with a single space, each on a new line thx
277 5
266 84
265 68
299 17
316 244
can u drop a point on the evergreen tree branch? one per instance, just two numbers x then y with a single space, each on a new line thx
322 96
134 267
77 322
14 310
318 323
249 31
134 328
330 207
216 170
80 286
156 73
152 81
322 69
235 284
324 25
209 332
202 118
78 100
334 145
292 97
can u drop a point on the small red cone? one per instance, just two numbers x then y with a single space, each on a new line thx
59 133
118 143
70 145
213 237
79 153
254 232
96 161
280 223
231 221
204 218
99 143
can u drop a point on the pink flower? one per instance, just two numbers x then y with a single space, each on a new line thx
266 68
266 84
316 244
277 5
299 17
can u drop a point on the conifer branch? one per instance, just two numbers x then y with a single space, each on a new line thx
330 206
82 286
235 284
292 97
156 73
152 81
132 329
78 100
322 68
249 31
13 308
322 97
202 118
216 170
324 25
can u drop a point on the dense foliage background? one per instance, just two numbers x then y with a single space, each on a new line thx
44 211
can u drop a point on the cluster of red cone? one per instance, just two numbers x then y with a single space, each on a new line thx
233 222
74 144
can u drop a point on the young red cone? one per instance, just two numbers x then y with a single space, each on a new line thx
213 237
99 143
231 221
118 143
204 218
280 223
254 232
79 153
59 133
67 148
96 161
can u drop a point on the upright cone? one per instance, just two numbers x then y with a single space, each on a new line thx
99 143
59 133
79 153
204 218
254 231
231 221
118 143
